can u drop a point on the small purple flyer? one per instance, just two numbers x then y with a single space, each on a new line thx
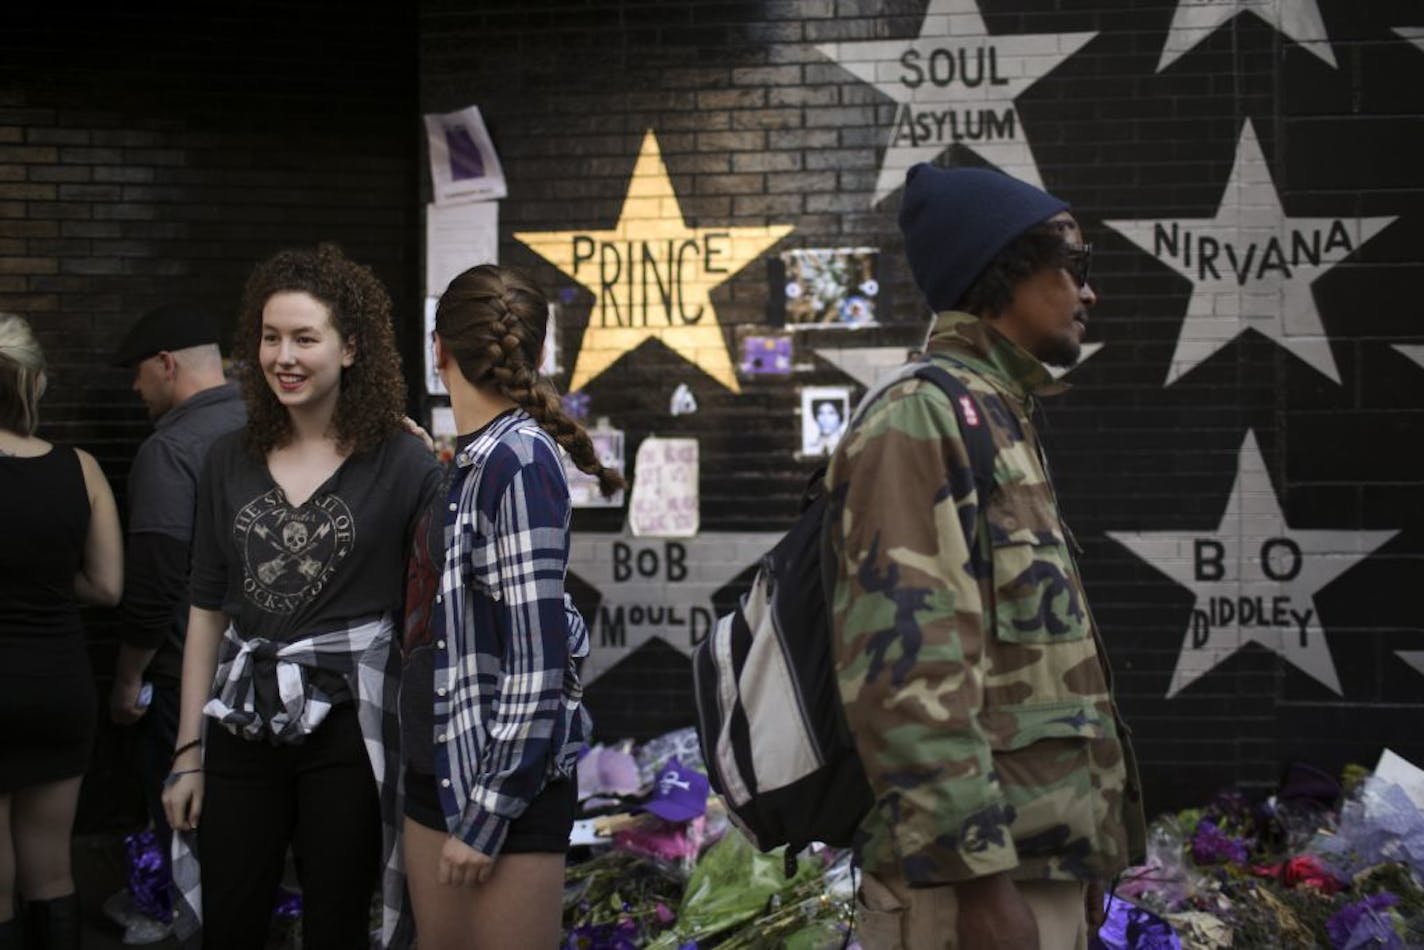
766 356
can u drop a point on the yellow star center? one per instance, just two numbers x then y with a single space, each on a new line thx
652 276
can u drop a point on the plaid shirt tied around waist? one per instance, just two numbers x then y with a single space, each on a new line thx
509 715
263 688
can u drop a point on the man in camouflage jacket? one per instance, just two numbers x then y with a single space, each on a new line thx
973 676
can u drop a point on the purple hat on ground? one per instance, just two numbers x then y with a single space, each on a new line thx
956 220
680 794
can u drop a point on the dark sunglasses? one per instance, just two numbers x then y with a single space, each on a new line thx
1079 263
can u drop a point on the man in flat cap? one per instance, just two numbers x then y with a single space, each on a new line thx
178 373
972 673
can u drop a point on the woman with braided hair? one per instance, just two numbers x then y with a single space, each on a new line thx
491 711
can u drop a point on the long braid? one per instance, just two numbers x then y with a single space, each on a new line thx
494 319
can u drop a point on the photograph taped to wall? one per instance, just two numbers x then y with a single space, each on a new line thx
831 287
458 237
549 362
766 356
433 385
665 489
583 488
443 432
824 412
463 163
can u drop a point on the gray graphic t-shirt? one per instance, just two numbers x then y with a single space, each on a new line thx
284 573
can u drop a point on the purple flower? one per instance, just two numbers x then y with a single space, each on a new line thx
620 936
576 405
1211 845
1365 923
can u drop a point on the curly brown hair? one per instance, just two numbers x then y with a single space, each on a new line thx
372 395
492 320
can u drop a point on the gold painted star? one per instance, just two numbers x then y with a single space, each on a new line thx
652 276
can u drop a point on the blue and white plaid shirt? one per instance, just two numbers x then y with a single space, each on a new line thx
363 654
508 702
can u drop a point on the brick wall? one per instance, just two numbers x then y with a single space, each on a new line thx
764 117
155 154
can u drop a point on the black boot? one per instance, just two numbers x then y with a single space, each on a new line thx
10 935
52 924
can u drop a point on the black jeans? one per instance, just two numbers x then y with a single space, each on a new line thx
319 797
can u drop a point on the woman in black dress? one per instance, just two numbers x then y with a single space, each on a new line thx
60 546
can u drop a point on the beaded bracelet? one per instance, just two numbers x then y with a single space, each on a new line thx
171 778
185 747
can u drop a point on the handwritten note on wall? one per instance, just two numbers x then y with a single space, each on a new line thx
664 503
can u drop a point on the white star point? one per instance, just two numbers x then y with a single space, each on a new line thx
1195 20
1255 578
955 85
656 588
1251 266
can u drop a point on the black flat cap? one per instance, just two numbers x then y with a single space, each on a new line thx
174 326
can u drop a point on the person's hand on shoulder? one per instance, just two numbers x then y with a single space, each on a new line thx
417 430
993 915
463 866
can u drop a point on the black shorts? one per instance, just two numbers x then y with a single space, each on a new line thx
543 828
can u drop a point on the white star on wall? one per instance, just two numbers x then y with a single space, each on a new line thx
867 365
1251 267
870 365
1412 351
1414 658
656 588
1195 20
955 84
1255 578
1088 351
1414 34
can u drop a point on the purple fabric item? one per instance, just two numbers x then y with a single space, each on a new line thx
680 793
1307 782
287 904
1364 924
607 771
1129 927
150 883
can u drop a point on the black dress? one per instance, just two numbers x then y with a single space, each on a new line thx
48 707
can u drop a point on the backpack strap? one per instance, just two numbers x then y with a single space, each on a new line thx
972 425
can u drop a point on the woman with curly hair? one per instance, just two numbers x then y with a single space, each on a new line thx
298 554
491 712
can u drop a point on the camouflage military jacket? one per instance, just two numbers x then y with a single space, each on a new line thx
979 697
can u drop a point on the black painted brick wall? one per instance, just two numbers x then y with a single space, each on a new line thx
159 152
152 152
757 127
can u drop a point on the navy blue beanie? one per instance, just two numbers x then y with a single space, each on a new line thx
956 220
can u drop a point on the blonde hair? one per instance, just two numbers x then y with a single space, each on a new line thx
22 363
